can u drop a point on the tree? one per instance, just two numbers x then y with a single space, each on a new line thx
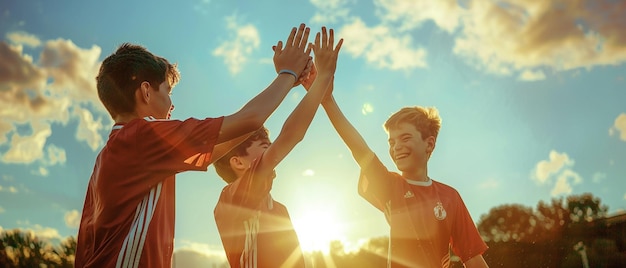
24 249
508 223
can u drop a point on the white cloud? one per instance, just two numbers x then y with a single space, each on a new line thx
56 155
554 164
508 37
564 183
558 169
44 233
236 52
23 38
381 46
330 11
26 149
412 14
619 127
9 189
88 128
41 171
192 254
367 108
529 75
72 218
39 94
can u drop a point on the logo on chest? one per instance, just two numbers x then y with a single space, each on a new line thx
440 212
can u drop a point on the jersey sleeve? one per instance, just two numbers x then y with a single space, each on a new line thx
466 241
375 184
168 147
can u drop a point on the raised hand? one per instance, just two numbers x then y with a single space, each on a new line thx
325 54
295 55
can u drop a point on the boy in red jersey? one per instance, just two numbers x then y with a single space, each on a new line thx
128 215
256 231
426 217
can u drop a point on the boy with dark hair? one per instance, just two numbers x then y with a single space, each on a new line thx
128 215
256 231
426 218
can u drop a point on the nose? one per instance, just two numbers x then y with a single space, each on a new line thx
395 147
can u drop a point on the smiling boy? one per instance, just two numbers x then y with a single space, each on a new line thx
427 218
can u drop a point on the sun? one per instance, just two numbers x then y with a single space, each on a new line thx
316 229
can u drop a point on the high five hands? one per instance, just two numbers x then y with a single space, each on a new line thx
324 51
295 56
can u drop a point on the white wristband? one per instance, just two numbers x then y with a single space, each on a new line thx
286 71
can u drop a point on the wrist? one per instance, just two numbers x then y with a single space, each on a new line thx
289 72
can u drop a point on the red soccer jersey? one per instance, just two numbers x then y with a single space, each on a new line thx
128 215
256 231
426 219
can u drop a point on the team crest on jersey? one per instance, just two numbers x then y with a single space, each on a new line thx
440 212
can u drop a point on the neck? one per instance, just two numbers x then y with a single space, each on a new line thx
417 175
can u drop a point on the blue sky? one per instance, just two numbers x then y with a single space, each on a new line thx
531 96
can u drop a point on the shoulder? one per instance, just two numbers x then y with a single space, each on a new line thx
442 187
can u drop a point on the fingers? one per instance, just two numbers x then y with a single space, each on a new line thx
298 41
338 46
292 35
278 47
317 41
305 39
324 37
331 38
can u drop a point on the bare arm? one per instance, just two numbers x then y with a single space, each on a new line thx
253 114
476 262
350 136
298 122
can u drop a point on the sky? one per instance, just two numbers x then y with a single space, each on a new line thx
532 96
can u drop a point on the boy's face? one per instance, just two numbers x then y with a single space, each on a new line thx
161 104
408 150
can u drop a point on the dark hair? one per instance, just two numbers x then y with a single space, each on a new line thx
122 72
222 165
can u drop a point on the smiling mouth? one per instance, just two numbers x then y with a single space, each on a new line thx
401 156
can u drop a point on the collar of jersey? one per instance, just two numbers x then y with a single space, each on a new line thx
420 183
120 126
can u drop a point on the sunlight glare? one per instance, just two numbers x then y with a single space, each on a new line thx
316 229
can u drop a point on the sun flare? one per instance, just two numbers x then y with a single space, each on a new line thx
316 229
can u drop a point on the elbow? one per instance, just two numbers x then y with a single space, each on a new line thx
252 121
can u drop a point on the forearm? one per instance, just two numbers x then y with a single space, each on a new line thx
350 136
253 114
263 105
299 120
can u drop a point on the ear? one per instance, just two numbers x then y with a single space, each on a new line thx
430 144
143 94
236 163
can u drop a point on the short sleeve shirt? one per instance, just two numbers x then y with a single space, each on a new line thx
426 219
256 231
128 214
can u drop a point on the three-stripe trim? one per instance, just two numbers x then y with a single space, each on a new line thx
131 250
